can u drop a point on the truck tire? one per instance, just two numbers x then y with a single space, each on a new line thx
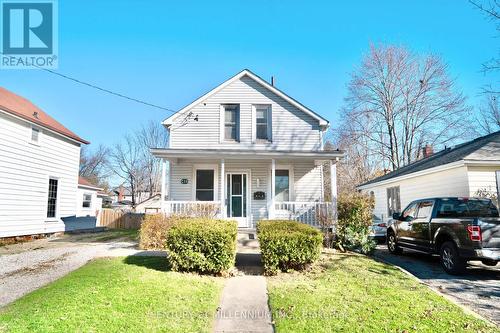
450 259
392 243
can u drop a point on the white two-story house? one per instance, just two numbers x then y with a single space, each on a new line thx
39 162
247 151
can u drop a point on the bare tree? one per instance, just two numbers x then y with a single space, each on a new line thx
94 165
397 102
127 163
491 10
153 135
489 115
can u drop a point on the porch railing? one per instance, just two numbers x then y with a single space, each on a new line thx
193 208
316 214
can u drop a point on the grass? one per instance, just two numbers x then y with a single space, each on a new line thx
134 294
353 293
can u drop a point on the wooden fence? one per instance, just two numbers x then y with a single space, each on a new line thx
117 219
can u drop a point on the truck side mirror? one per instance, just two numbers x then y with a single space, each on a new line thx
396 216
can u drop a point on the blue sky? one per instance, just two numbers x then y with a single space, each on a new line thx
170 52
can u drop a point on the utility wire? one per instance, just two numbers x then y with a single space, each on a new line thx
103 89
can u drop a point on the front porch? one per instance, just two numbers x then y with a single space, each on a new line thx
248 186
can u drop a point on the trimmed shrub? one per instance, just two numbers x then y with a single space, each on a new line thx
354 219
154 229
202 245
287 245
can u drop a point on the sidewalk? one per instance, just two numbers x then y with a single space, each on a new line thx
244 305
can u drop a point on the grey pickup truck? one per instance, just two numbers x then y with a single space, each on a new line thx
458 229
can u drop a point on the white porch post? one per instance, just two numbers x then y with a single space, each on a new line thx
163 185
333 187
222 189
273 188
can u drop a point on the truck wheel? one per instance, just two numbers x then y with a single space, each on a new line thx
392 244
489 262
450 259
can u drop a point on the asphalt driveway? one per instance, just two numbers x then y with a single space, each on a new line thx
478 289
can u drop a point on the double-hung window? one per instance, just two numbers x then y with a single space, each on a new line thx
231 122
262 121
282 185
205 185
52 198
87 200
35 135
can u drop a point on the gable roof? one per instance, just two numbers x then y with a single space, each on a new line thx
485 148
322 121
22 108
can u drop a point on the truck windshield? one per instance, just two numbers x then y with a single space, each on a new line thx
458 207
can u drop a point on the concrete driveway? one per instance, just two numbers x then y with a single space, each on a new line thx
478 289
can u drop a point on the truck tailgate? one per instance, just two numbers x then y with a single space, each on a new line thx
490 229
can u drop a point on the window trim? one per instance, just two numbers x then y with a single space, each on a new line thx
216 179
56 215
269 123
35 128
291 181
222 121
83 200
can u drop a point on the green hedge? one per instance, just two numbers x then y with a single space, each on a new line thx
288 245
202 245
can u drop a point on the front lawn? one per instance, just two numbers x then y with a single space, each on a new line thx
132 294
353 293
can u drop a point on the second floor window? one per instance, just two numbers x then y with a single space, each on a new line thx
262 122
231 122
35 134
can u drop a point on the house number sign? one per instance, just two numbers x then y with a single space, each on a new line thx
184 181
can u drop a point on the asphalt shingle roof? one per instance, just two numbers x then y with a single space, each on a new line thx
485 148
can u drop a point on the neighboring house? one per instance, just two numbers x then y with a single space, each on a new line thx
124 194
247 151
467 170
89 198
39 161
150 206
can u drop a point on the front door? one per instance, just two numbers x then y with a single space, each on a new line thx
237 198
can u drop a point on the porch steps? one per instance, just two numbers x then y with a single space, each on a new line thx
247 242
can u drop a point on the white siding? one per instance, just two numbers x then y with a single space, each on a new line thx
25 169
307 181
450 182
482 178
95 203
291 127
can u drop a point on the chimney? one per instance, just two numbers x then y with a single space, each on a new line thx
427 151
272 80
120 193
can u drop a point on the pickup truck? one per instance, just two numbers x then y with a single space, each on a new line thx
458 229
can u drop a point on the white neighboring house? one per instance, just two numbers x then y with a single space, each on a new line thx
89 198
466 170
39 161
247 151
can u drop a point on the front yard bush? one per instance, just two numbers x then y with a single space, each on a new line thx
153 232
202 245
287 245
354 219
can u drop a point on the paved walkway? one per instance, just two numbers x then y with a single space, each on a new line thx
478 289
244 305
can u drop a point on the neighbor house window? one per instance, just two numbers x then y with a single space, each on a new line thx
282 185
393 200
35 135
87 200
231 122
52 198
262 122
205 185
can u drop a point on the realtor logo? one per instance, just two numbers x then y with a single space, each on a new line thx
28 38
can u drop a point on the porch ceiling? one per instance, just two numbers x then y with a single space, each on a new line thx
172 153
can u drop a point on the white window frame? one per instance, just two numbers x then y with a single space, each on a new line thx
58 195
269 123
90 201
291 181
222 130
39 130
214 167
